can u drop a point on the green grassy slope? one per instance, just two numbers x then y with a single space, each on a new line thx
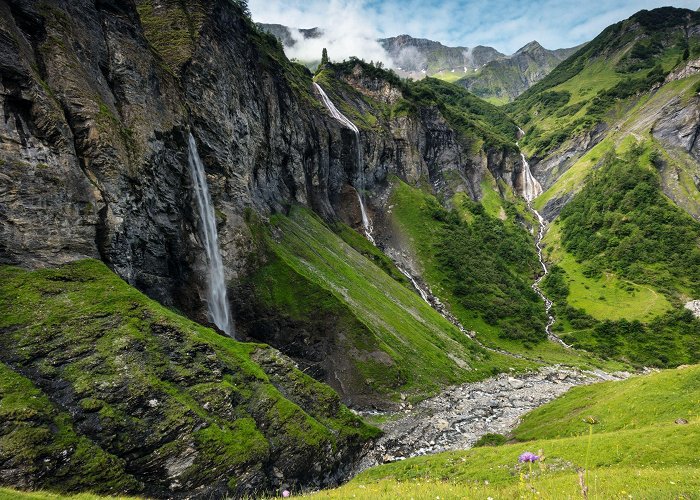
634 447
102 387
626 261
391 340
487 286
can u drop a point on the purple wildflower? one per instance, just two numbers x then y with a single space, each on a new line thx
285 493
528 456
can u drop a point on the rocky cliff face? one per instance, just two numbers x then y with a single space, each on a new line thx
97 101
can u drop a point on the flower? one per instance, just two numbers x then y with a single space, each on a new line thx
286 493
528 456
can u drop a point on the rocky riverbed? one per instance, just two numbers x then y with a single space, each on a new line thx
456 418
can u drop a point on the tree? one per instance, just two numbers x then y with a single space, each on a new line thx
324 56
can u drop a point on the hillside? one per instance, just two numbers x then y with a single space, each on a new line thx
611 135
592 95
614 439
106 390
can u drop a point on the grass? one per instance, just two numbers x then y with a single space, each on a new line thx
397 342
110 350
634 448
606 297
636 403
448 76
10 494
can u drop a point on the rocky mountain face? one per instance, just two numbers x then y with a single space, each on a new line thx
416 57
92 108
506 78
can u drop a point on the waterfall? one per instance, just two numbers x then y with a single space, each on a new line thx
530 187
366 221
217 302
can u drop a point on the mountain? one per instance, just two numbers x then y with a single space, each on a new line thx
378 241
416 57
284 34
483 70
504 79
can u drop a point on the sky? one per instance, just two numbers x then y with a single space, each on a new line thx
352 26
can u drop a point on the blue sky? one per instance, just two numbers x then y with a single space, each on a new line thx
504 24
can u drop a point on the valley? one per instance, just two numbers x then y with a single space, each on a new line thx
226 275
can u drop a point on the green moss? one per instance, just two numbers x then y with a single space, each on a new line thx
233 445
35 432
172 28
81 326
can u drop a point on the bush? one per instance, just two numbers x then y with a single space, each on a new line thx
491 439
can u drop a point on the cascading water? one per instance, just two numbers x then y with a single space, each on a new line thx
217 301
366 222
531 189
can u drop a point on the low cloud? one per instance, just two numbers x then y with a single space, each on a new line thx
352 26
347 29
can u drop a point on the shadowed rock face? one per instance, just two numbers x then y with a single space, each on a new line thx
97 101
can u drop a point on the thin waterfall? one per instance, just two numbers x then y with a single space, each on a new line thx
217 301
531 189
366 221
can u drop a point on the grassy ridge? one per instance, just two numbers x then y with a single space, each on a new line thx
633 448
397 342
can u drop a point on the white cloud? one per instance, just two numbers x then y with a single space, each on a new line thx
345 25
352 26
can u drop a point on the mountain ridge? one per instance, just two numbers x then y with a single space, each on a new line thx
496 76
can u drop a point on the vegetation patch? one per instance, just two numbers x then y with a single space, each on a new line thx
393 339
143 385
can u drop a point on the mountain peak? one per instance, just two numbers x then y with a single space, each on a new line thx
529 47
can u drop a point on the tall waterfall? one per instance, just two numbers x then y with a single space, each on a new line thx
531 188
217 302
366 222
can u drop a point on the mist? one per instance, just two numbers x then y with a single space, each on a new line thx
346 28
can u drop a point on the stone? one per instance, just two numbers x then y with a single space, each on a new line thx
516 383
